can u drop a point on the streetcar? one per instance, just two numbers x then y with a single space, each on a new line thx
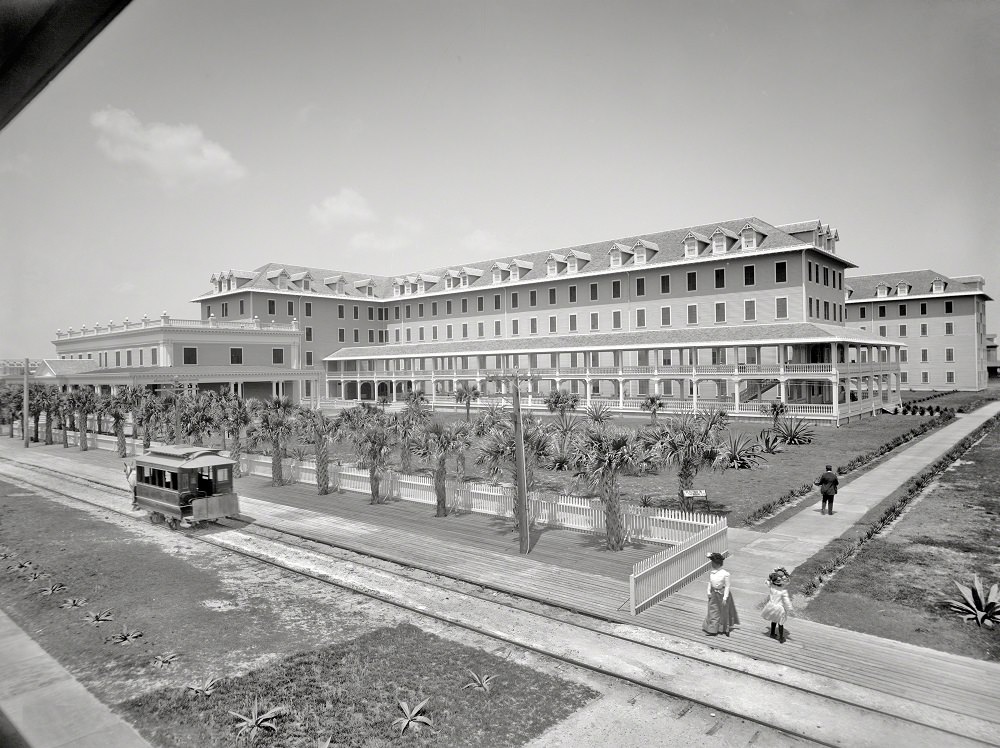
178 484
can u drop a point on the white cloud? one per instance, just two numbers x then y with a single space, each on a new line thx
482 244
173 154
401 235
347 206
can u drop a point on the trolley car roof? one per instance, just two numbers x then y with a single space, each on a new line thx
187 458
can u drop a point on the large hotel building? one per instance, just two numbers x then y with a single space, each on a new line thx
735 314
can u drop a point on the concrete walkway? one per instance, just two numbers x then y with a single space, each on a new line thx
753 555
47 706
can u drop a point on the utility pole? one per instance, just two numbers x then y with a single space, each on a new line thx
521 505
24 409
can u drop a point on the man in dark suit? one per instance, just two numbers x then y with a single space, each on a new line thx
827 483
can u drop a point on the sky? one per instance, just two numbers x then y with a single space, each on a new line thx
194 136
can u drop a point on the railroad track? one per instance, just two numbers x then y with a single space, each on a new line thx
291 558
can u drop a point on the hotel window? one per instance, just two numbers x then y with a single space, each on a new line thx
665 316
341 335
190 357
420 334
923 308
923 330
271 306
465 331
826 276
903 377
357 336
572 294
593 292
208 311
371 336
496 328
749 310
552 296
923 355
482 330
810 271
140 356
371 314
154 356
552 324
949 355
408 311
949 328
881 310
513 300
595 321
718 244
513 327
810 306
640 317
882 330
291 308
533 325
277 355
241 307
749 275
862 313
496 302
840 281
781 308
340 311
781 272
949 377
902 310
826 310
902 331
616 289
434 332
949 307
692 314
664 284
480 303
749 239
532 298
447 307
128 358
308 312
692 278
225 309
572 323
465 306
903 355
924 377
409 335
448 331
357 312
720 277
616 258
309 358
616 320
640 286
720 311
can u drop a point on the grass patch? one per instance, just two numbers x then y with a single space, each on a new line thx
349 692
895 585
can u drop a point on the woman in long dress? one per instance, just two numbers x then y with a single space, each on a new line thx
778 606
722 615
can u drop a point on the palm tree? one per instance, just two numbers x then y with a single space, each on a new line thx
774 410
12 401
435 443
407 424
489 417
149 413
561 400
275 421
565 427
50 406
199 416
601 455
652 403
374 440
498 449
116 408
84 402
36 396
236 416
599 413
689 442
64 406
319 428
467 393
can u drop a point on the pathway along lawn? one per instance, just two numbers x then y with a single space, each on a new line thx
340 661
896 585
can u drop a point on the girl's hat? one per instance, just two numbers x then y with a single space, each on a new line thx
777 578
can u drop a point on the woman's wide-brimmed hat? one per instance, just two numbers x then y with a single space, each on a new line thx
715 558
777 578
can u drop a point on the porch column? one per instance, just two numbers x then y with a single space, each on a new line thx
782 393
694 394
621 394
736 395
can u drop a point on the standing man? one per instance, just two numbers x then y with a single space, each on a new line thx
827 483
130 477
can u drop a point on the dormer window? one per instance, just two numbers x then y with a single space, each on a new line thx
370 291
551 267
465 280
881 290
749 237
229 284
718 243
447 282
497 275
616 258
420 286
282 283
515 272
306 285
937 286
902 288
219 286
396 289
640 256
691 247
572 265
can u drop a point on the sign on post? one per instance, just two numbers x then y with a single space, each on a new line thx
695 493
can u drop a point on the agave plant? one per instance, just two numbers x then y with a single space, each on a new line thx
412 716
206 688
253 724
123 637
739 452
769 443
599 413
73 602
479 682
19 567
164 660
52 589
96 619
35 576
976 606
794 432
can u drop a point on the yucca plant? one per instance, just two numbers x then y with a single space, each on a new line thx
52 589
479 682
123 637
73 602
206 688
164 660
976 606
599 413
414 717
794 432
96 619
253 724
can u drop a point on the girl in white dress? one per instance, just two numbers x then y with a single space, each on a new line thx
722 615
778 606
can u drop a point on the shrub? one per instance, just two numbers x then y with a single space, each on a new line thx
794 432
984 609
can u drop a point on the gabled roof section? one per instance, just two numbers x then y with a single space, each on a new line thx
59 367
726 232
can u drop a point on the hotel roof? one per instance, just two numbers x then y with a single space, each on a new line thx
918 282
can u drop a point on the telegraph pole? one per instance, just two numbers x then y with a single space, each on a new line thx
521 505
24 409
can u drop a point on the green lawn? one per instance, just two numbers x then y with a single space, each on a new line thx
947 399
897 584
349 693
